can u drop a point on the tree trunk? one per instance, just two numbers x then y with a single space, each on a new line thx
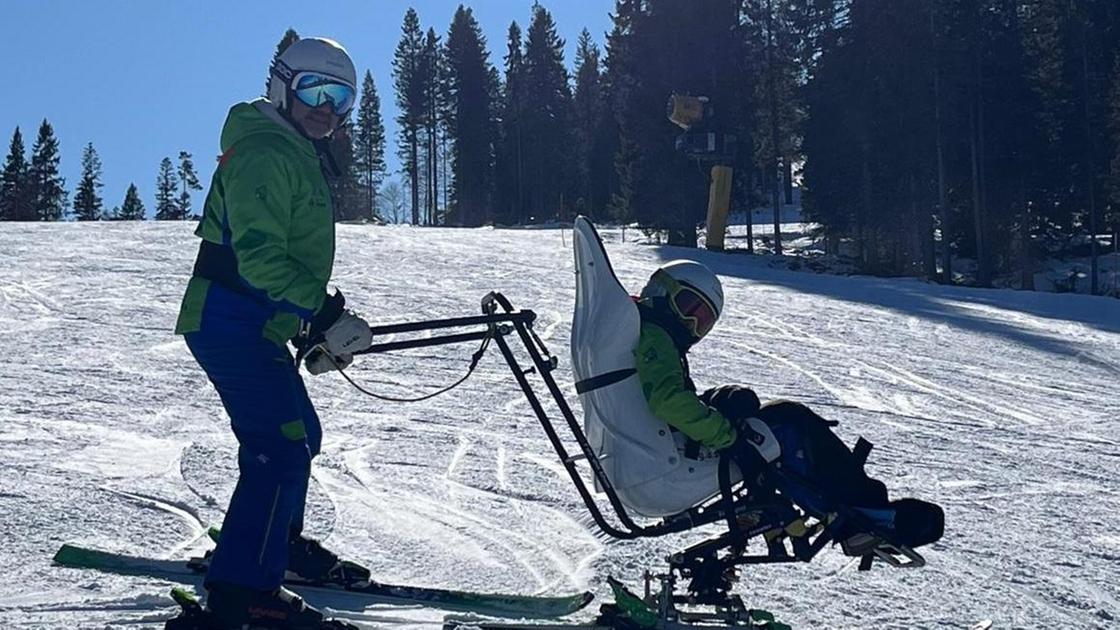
750 212
861 245
976 124
519 210
433 169
772 166
788 182
414 176
923 232
1089 179
942 195
977 209
1026 281
443 170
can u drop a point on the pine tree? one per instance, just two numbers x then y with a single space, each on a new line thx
472 130
346 194
769 41
409 88
188 181
510 187
290 36
588 106
429 78
87 197
369 147
15 202
47 187
1112 218
618 82
133 208
547 159
658 186
167 209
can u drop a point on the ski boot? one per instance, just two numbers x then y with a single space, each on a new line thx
310 562
229 606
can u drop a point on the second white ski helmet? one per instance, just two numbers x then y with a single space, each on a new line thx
682 282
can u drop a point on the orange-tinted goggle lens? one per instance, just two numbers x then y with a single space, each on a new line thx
690 305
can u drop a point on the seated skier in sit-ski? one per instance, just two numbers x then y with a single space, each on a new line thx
678 307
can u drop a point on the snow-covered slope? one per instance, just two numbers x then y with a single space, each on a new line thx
1001 406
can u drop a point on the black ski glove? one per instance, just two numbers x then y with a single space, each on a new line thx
333 307
733 402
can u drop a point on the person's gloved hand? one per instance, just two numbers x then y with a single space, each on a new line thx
733 402
318 362
335 335
347 335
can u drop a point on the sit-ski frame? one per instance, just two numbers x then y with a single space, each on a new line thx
772 516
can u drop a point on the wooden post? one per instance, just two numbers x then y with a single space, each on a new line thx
719 202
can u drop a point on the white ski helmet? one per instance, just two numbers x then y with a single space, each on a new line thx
312 54
694 293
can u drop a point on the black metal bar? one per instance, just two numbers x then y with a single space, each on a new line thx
565 459
454 322
693 518
521 321
545 370
424 343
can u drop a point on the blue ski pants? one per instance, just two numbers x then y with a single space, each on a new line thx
278 432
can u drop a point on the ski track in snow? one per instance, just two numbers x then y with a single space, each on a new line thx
999 405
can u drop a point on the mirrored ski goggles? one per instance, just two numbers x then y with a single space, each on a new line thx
695 311
314 89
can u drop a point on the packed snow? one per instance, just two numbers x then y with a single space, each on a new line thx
1001 406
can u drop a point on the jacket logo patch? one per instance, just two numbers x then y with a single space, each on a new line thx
262 192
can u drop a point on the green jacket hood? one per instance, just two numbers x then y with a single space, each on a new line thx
260 117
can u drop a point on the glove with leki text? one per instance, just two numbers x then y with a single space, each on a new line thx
335 335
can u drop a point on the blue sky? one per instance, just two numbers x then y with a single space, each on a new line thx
145 79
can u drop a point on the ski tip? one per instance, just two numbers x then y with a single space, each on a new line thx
71 556
984 624
62 552
184 598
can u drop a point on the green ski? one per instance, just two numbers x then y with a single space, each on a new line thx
352 597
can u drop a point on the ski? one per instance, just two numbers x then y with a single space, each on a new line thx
631 612
354 597
193 616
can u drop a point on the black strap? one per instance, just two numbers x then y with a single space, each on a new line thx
603 380
865 561
727 500
691 448
475 358
862 450
217 263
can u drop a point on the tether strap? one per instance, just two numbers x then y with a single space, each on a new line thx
738 541
475 358
603 380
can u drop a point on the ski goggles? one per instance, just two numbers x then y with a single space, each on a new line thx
690 305
314 89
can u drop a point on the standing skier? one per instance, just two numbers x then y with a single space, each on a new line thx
260 280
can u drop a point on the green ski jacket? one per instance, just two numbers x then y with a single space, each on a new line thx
670 392
270 204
